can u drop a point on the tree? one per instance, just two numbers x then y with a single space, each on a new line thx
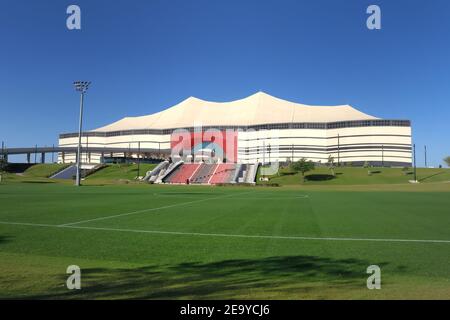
447 161
303 166
330 164
405 170
367 166
3 163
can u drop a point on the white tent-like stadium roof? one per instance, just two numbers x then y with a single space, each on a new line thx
257 109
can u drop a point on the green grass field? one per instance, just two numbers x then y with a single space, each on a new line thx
183 242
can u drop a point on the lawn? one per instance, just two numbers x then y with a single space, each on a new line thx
44 170
121 171
358 175
175 242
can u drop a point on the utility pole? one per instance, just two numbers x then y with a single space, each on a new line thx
426 165
139 159
2 156
414 153
339 151
80 86
382 155
292 152
87 149
264 156
264 152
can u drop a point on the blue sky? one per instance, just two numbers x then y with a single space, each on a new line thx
144 56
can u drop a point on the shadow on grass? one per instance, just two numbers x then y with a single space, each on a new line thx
4 239
319 177
431 176
269 277
174 194
36 181
287 173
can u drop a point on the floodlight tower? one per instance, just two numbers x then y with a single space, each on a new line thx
80 86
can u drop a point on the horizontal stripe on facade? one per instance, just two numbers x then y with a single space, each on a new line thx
324 149
266 146
134 143
257 139
274 126
275 155
362 157
333 137
84 144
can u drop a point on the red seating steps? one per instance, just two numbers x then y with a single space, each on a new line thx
223 173
182 173
204 173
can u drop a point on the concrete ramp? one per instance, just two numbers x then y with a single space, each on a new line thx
66 173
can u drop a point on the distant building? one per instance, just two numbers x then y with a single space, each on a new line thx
256 129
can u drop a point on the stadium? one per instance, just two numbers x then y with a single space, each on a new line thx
229 139
139 159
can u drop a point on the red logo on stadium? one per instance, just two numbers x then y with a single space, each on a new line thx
211 145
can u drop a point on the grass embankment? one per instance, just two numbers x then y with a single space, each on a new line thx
121 171
357 176
346 178
110 174
37 173
44 170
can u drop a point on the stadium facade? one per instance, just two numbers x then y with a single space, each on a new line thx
257 129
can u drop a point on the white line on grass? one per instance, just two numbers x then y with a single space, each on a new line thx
148 210
273 198
239 198
29 224
226 235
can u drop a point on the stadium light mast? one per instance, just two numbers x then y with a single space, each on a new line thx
426 164
81 87
414 155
